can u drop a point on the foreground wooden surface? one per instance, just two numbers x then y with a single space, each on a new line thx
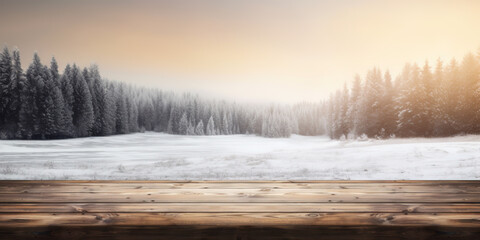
240 210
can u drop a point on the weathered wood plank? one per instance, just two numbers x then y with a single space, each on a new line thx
239 195
18 220
142 187
404 208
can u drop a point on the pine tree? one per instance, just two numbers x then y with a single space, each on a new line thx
121 115
190 129
389 118
58 101
183 124
454 97
54 71
225 128
146 115
18 80
172 126
100 122
36 77
370 104
132 115
6 98
53 119
439 111
48 129
82 104
344 124
199 128
408 107
425 92
476 97
468 107
331 117
28 109
93 80
68 100
110 111
336 115
352 113
210 126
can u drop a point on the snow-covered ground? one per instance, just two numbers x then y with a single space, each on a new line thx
173 157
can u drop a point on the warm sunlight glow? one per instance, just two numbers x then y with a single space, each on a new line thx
284 51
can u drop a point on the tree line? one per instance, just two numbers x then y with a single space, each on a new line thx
427 101
42 103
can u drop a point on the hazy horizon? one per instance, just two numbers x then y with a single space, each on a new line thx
281 51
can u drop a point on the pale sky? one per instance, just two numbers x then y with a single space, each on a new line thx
249 50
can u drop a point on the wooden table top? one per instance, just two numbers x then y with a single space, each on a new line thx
32 208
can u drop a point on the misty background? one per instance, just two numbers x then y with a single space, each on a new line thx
267 51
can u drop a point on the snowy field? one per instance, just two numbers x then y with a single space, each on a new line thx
172 157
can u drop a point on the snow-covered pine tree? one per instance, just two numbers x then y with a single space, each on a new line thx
413 110
469 106
454 97
82 104
371 103
405 101
284 128
352 114
54 103
68 100
389 115
224 128
110 117
48 128
190 128
18 81
28 107
344 124
58 101
132 115
6 97
92 77
121 115
336 116
170 122
183 124
199 128
476 97
217 119
331 117
439 117
230 122
425 95
100 122
210 126
36 83
146 114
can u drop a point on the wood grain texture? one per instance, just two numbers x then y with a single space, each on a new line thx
404 208
240 209
465 220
